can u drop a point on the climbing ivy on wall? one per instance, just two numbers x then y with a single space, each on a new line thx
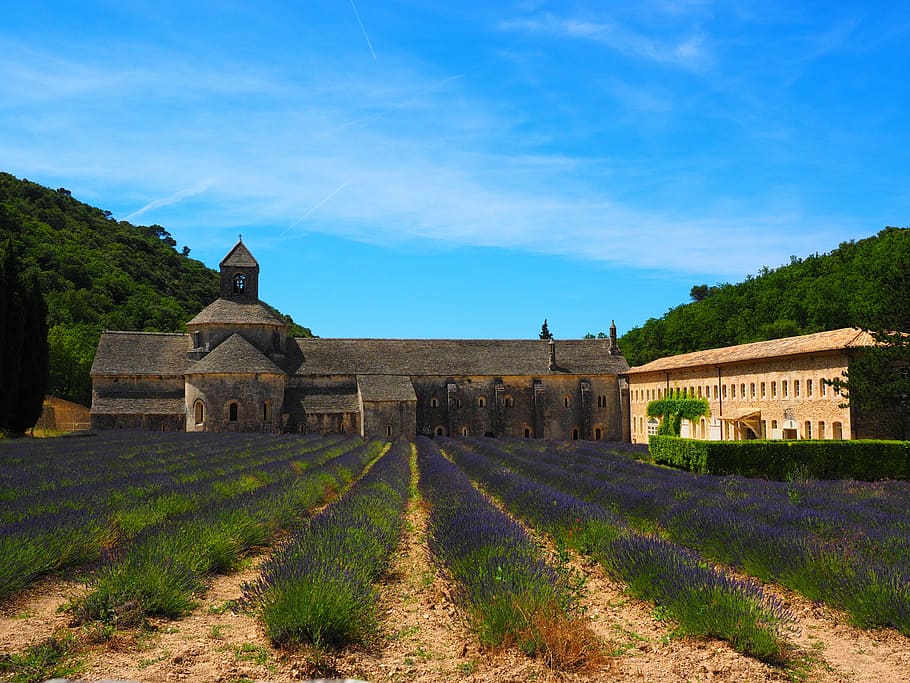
674 408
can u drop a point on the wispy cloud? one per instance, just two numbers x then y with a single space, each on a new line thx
197 189
363 30
689 50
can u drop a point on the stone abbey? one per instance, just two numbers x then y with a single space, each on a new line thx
237 369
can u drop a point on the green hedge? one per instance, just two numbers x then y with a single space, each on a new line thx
864 460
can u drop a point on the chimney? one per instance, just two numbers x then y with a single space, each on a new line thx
614 347
552 346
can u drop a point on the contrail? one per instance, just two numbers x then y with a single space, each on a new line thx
313 208
363 30
199 188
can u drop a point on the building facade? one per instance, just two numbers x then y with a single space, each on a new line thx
237 369
766 390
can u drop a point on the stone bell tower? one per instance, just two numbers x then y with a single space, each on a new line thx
240 275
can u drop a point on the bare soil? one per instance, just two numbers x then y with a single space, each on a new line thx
422 637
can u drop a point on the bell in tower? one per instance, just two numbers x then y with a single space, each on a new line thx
240 275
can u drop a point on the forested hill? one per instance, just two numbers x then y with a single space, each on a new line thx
99 273
862 283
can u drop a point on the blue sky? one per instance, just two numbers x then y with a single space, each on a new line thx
408 168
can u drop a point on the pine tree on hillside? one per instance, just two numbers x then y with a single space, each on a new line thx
23 344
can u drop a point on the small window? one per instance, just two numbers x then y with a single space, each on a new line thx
732 391
197 340
653 424
821 430
458 403
233 412
808 387
481 402
837 431
836 390
763 394
742 391
824 387
440 431
575 434
527 433
434 403
773 389
266 411
598 434
239 283
565 401
808 429
784 386
199 412
773 424
796 388
752 390
715 392
509 402
464 431
388 430
725 391
699 392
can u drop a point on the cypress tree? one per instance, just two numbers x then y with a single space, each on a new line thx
23 343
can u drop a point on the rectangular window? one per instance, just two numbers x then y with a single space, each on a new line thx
773 389
762 389
809 387
808 429
752 390
784 386
732 391
824 387
715 392
796 388
821 430
742 390
725 391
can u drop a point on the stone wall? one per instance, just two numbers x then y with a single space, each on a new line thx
258 399
789 393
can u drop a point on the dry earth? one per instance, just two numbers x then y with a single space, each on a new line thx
423 639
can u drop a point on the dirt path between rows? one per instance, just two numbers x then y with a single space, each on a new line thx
423 638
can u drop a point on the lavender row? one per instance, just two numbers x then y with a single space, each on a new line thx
319 587
843 542
166 565
706 601
99 516
502 581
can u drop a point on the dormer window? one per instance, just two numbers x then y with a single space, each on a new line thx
239 283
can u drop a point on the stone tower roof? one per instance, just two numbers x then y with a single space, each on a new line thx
239 257
235 355
228 312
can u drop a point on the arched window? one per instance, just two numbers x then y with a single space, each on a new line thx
266 411
565 401
598 434
575 434
233 411
509 402
481 402
388 430
199 412
239 283
440 431
434 403
837 430
527 433
464 431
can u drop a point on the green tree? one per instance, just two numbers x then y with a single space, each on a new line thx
545 330
23 343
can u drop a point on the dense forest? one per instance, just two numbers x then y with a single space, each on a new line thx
99 273
862 283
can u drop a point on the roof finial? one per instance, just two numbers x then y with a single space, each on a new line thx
240 237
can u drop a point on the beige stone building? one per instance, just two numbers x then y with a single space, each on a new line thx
769 390
236 369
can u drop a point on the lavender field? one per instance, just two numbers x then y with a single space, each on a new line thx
146 521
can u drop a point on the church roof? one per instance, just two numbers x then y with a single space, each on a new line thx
386 388
835 340
227 312
315 404
232 356
453 357
141 353
239 257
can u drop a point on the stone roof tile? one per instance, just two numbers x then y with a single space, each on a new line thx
239 257
835 340
386 388
227 312
235 355
141 353
138 406
455 357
